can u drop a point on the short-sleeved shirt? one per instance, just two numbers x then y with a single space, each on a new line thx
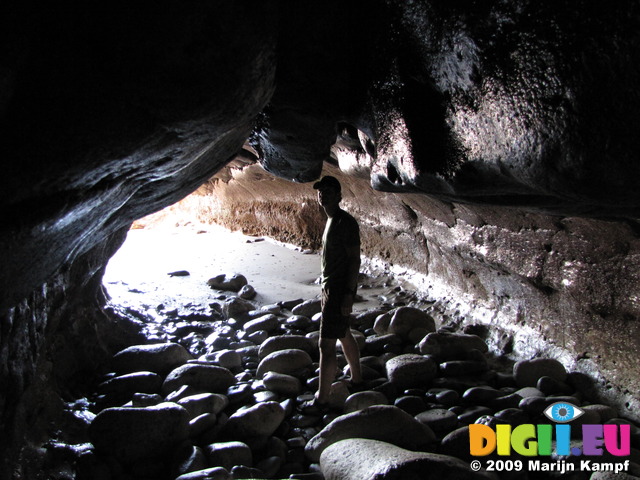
340 232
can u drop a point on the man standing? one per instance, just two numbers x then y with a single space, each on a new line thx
340 268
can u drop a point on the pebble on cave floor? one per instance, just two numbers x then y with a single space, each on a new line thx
226 398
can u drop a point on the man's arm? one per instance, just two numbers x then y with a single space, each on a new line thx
353 266
351 284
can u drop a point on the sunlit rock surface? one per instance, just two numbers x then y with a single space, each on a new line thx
112 111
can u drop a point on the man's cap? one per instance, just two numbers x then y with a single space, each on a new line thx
327 182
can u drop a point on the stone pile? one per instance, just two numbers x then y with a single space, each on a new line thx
237 406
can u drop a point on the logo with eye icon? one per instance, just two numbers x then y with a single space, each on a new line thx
563 412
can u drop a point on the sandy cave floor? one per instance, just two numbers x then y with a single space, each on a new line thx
137 277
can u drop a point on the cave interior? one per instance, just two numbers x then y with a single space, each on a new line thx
487 147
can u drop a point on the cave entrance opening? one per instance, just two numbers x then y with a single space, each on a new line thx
160 274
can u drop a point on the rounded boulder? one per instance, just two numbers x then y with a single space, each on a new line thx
268 322
386 423
284 361
136 433
158 358
362 459
361 400
232 283
208 378
406 319
130 383
282 384
258 421
203 403
451 346
411 370
286 342
528 372
229 454
307 308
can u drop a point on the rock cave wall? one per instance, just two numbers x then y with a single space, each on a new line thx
554 286
54 343
111 111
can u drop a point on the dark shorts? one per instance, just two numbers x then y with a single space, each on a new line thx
333 323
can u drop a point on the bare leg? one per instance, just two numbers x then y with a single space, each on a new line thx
352 354
328 368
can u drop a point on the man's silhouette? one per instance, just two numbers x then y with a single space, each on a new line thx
340 267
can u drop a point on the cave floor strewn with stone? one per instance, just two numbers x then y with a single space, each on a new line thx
160 270
221 387
141 268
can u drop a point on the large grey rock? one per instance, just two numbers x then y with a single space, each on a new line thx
482 395
308 308
362 400
130 383
267 322
381 324
456 444
257 337
528 372
200 424
284 361
366 319
229 454
605 412
299 322
208 378
134 433
229 359
438 419
159 358
527 392
285 342
224 358
405 320
381 422
215 473
236 307
258 421
338 394
247 292
192 460
202 403
551 386
451 346
366 459
232 283
282 384
462 368
376 344
411 370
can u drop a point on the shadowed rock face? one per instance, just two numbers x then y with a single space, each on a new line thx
110 111
115 111
511 103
